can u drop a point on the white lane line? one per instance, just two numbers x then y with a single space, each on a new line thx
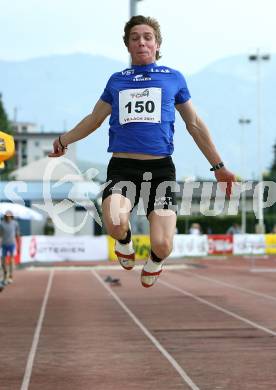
235 287
30 362
155 342
217 307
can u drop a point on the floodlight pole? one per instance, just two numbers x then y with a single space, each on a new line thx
242 122
133 7
258 57
133 12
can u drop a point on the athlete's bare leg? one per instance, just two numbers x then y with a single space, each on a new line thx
4 267
162 230
11 267
116 211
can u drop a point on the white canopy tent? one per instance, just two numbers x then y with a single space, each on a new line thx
20 211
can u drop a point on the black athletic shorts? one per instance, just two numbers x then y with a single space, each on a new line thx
150 184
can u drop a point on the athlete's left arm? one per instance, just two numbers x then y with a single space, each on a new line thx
201 135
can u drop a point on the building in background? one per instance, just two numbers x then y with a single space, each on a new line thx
31 144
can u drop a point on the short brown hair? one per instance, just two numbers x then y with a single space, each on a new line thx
140 19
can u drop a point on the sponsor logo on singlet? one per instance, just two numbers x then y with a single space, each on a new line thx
127 72
156 70
141 77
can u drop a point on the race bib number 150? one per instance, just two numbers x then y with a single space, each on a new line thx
140 105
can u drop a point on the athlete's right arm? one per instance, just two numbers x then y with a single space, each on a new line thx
87 126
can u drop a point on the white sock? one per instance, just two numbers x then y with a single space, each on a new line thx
152 266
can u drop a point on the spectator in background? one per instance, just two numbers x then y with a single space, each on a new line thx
9 232
49 229
273 231
234 229
195 229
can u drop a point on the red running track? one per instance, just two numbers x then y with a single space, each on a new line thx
208 328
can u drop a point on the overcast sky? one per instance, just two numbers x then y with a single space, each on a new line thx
195 32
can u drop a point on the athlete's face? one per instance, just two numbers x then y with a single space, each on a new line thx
142 45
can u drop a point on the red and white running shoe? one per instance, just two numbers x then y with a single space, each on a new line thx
150 272
125 254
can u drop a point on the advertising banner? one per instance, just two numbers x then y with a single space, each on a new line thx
249 244
189 245
270 243
220 244
63 248
87 248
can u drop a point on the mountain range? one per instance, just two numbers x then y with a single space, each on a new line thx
56 92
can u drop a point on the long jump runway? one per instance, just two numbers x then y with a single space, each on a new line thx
204 328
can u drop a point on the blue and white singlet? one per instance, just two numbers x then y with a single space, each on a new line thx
143 100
